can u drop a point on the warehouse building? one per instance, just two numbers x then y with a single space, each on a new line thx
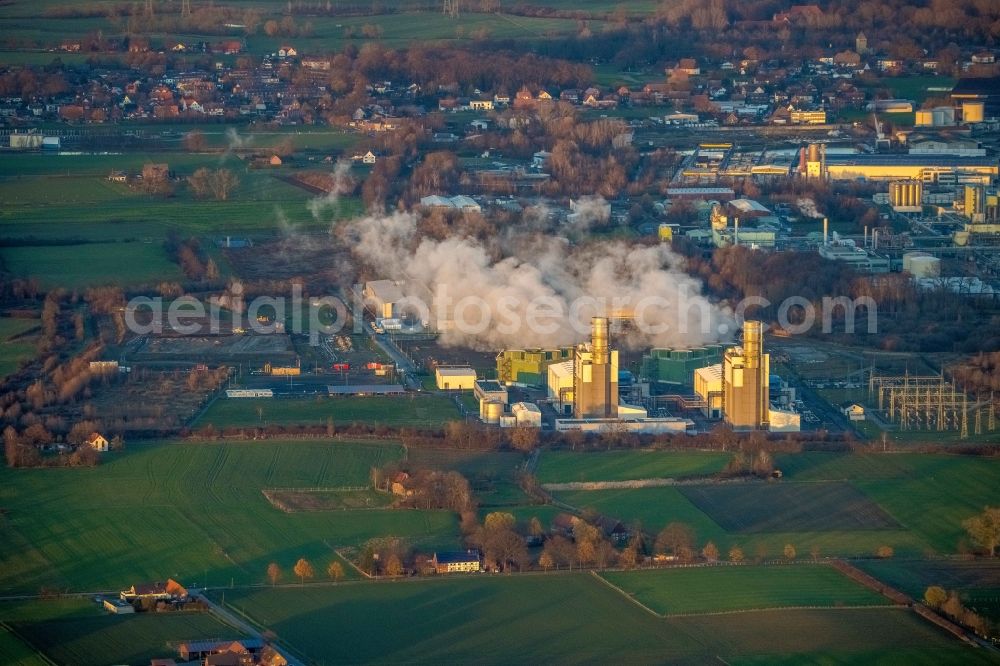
455 377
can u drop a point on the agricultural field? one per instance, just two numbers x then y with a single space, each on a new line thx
193 511
851 505
77 631
472 619
978 581
728 588
92 264
17 344
68 198
566 466
789 507
408 410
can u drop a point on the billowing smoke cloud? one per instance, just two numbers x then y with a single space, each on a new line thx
808 208
539 291
589 211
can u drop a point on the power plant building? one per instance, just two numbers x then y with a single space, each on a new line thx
560 385
708 387
529 367
595 375
675 366
745 381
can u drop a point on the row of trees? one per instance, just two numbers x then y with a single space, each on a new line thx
304 571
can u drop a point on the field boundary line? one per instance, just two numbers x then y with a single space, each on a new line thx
765 609
41 655
625 594
349 561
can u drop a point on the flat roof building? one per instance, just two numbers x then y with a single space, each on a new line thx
451 378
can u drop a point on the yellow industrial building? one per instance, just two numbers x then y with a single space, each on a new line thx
451 378
746 381
816 163
595 375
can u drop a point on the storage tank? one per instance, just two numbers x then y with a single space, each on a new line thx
973 112
508 421
924 118
944 116
925 267
493 412
908 258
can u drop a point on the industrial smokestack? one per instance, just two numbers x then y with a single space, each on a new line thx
866 235
599 334
874 239
826 231
753 343
736 231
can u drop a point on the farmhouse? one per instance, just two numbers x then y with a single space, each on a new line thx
97 442
457 562
203 650
155 591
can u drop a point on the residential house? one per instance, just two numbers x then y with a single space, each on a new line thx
799 14
613 529
369 158
202 650
467 561
275 161
97 442
481 104
155 591
688 66
287 52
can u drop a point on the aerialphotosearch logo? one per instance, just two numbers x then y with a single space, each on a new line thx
654 316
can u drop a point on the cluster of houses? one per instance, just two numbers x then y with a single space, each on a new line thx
289 88
241 652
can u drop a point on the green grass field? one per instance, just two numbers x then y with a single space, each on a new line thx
193 511
408 410
564 466
977 581
68 197
15 346
79 266
77 631
719 589
565 618
790 507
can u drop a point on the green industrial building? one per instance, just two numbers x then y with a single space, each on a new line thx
677 366
529 366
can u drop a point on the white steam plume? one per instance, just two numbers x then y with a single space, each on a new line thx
341 185
808 208
464 283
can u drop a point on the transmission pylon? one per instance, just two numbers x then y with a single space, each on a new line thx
185 8
149 8
451 8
